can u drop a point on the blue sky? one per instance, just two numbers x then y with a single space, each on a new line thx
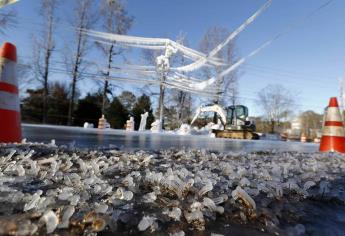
307 60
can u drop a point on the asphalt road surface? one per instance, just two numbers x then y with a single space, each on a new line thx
95 138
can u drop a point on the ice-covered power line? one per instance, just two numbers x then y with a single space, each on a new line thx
234 66
4 3
201 62
160 43
148 43
199 86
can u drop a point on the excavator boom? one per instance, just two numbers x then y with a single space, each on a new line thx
211 108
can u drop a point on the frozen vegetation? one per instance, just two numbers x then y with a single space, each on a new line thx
50 189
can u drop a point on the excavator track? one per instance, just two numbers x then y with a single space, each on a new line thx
235 134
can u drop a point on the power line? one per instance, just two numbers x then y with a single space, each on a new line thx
290 74
292 80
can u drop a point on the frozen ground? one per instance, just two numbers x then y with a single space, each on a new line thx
125 140
45 189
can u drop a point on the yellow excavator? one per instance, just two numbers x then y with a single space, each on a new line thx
234 119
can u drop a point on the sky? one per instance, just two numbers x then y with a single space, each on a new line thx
308 60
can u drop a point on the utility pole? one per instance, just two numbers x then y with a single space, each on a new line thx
162 68
161 101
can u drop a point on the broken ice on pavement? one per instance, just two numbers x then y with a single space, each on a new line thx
50 189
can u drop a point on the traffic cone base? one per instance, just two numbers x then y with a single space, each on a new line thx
10 133
333 132
332 144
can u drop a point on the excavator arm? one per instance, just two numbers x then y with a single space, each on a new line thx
211 108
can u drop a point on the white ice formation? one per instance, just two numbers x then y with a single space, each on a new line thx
143 120
156 126
130 124
57 189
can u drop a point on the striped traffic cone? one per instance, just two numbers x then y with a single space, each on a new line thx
303 138
333 133
10 128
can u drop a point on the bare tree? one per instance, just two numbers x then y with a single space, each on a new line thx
7 20
226 85
310 123
276 103
127 99
115 20
84 18
43 49
25 80
181 99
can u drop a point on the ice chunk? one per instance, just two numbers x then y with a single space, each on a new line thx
209 203
196 206
279 191
51 221
308 185
146 222
196 218
67 213
52 143
65 194
146 160
239 193
206 188
244 182
175 213
324 187
8 157
128 181
101 207
34 168
20 170
220 199
74 200
276 171
149 197
123 195
34 201
29 155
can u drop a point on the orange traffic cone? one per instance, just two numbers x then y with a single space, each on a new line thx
303 138
333 133
10 129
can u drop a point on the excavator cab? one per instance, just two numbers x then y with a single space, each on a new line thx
237 118
234 113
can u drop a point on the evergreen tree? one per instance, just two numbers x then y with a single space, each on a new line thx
117 114
127 99
58 104
142 105
89 110
32 106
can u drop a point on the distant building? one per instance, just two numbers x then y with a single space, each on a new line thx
295 132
